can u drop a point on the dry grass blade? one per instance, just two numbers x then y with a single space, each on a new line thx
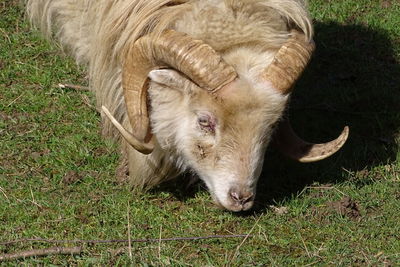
244 240
4 193
73 86
14 100
86 101
129 233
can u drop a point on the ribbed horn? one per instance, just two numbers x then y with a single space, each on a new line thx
194 58
289 62
294 147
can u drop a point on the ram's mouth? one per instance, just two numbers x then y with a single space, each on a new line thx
231 206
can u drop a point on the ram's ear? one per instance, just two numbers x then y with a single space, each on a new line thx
175 80
167 77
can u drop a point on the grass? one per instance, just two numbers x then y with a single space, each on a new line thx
57 175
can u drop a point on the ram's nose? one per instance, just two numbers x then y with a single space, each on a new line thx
240 199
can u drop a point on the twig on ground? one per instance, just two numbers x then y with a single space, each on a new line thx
150 240
41 252
78 250
73 86
80 88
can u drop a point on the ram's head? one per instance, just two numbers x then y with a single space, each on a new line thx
217 122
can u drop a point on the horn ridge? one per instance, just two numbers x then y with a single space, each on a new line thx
194 58
289 62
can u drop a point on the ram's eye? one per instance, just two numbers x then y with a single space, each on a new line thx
206 122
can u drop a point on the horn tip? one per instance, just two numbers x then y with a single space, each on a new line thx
343 136
337 144
144 148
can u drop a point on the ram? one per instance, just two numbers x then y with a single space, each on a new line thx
191 86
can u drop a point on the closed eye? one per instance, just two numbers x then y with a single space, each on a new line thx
207 122
204 122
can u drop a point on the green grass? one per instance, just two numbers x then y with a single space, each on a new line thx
57 175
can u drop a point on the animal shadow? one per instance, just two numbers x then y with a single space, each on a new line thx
353 79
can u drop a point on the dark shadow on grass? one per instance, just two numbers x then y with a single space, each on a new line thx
353 79
184 187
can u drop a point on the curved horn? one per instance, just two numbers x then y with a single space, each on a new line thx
289 62
294 147
174 49
286 67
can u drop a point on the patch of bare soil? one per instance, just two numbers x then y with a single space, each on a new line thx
279 210
346 207
386 4
37 155
71 177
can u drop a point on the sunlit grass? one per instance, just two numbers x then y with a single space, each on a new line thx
57 174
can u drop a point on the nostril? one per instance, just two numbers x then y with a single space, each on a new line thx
241 198
247 199
235 196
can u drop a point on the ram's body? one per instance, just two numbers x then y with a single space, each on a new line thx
246 33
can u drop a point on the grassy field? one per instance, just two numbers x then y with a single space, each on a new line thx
57 175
